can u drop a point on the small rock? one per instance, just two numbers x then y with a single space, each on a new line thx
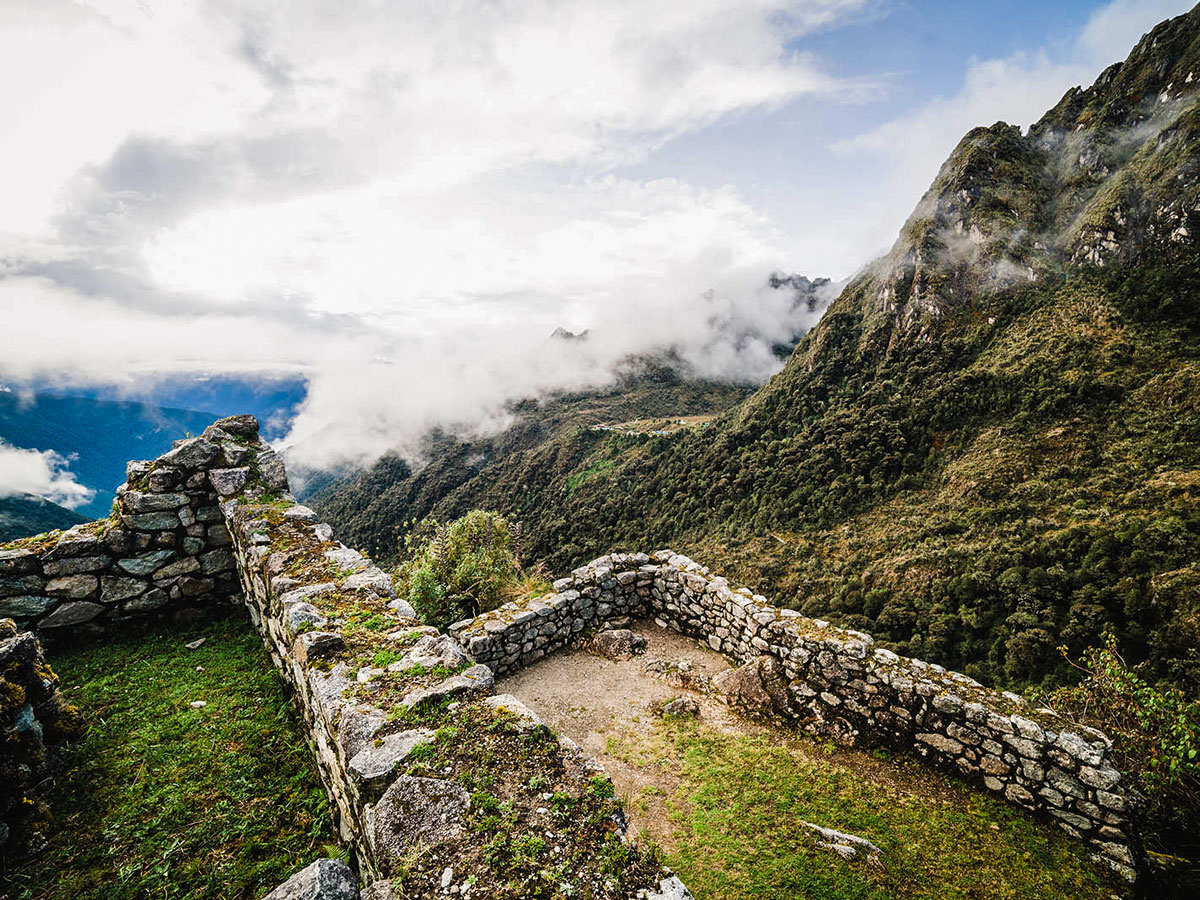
447 877
196 644
198 704
681 706
618 644
325 879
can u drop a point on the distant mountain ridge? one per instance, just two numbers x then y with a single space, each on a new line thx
24 515
989 446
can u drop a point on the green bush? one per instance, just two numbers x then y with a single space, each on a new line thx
471 565
1155 732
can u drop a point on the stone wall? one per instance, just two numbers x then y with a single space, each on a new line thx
379 691
34 721
164 549
838 682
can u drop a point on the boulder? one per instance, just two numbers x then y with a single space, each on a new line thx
618 644
243 426
758 687
681 706
416 811
325 879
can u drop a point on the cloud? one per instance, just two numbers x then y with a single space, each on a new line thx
43 473
398 200
1016 89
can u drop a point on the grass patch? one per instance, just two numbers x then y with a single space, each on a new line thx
739 800
168 802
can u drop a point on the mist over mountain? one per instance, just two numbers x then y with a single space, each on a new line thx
987 447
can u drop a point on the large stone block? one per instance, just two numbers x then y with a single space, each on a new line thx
325 879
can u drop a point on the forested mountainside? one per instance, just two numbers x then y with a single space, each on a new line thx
990 445
375 508
22 515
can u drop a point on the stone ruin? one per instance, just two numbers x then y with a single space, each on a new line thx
211 523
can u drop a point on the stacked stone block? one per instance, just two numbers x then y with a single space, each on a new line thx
34 721
839 683
165 548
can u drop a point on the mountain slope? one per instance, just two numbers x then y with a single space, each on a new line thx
24 515
990 444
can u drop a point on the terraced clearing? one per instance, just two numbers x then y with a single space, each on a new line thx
723 797
165 801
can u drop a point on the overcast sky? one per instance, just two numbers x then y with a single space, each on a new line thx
402 199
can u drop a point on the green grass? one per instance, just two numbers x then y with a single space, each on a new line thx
165 802
739 799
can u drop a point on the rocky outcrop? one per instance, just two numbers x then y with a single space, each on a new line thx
835 682
35 721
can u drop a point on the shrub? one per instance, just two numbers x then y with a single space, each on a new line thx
460 569
1155 732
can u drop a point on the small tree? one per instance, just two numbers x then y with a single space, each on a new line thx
468 566
1155 732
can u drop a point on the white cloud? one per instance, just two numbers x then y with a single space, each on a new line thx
43 473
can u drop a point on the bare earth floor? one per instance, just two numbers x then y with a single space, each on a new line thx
723 796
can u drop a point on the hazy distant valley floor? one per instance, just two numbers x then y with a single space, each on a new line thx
723 797
167 801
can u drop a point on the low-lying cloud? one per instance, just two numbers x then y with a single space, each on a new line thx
41 473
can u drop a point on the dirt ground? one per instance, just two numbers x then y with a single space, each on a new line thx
595 701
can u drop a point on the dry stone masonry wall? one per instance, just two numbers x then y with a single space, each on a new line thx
212 521
165 549
837 682
35 721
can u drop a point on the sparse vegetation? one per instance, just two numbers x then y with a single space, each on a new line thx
738 798
466 567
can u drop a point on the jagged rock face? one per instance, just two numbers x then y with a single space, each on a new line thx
1106 176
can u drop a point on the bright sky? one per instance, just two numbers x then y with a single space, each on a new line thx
402 199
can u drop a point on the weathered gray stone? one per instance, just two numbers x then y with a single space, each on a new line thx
474 681
73 612
115 589
75 565
314 645
682 707
74 587
193 453
302 616
164 478
217 561
158 521
23 584
373 766
74 543
669 888
309 590
24 607
243 426
325 879
299 513
270 467
145 563
17 562
227 482
138 502
618 644
416 811
374 580
184 566
431 651
147 602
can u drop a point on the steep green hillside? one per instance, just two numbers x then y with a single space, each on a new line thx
24 515
990 445
373 509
